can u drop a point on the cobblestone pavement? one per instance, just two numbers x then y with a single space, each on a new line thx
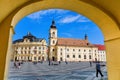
63 71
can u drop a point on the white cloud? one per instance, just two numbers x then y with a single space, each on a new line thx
40 14
67 34
83 19
36 15
69 19
62 16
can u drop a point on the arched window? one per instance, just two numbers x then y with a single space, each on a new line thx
90 57
53 49
39 58
67 56
84 56
73 56
53 42
53 34
73 49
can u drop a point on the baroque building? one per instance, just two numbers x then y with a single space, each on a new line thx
69 49
30 48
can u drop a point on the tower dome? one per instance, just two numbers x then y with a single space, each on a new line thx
53 24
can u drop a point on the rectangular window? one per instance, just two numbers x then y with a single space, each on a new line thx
29 52
34 58
61 49
39 47
95 50
67 49
89 50
61 53
84 50
39 52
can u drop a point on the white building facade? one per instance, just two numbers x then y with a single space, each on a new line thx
101 52
68 49
30 48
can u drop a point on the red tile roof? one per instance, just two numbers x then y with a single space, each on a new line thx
100 47
73 42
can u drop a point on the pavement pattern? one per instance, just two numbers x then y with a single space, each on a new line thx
62 71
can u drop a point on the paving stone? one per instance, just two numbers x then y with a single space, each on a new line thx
70 71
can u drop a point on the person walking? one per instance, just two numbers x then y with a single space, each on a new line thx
59 62
90 63
19 65
98 69
15 65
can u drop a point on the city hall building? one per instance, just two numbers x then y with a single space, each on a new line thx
69 49
29 48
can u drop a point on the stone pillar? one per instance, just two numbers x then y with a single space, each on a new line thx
113 58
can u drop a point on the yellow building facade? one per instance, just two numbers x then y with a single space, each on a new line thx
105 13
29 48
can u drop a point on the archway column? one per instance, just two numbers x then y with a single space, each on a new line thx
9 53
6 32
4 35
113 57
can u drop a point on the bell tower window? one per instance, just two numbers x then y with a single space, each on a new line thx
53 34
53 42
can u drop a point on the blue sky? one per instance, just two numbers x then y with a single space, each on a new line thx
69 24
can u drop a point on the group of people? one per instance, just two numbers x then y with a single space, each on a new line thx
17 65
56 62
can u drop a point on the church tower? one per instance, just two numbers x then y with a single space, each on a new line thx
86 37
52 41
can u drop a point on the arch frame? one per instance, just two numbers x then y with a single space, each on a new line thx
104 20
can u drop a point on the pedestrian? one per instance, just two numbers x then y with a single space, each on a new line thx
66 62
15 65
19 65
90 63
59 62
98 69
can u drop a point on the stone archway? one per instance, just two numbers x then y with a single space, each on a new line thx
104 20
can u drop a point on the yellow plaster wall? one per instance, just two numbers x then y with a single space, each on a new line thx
8 55
103 20
4 38
113 58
